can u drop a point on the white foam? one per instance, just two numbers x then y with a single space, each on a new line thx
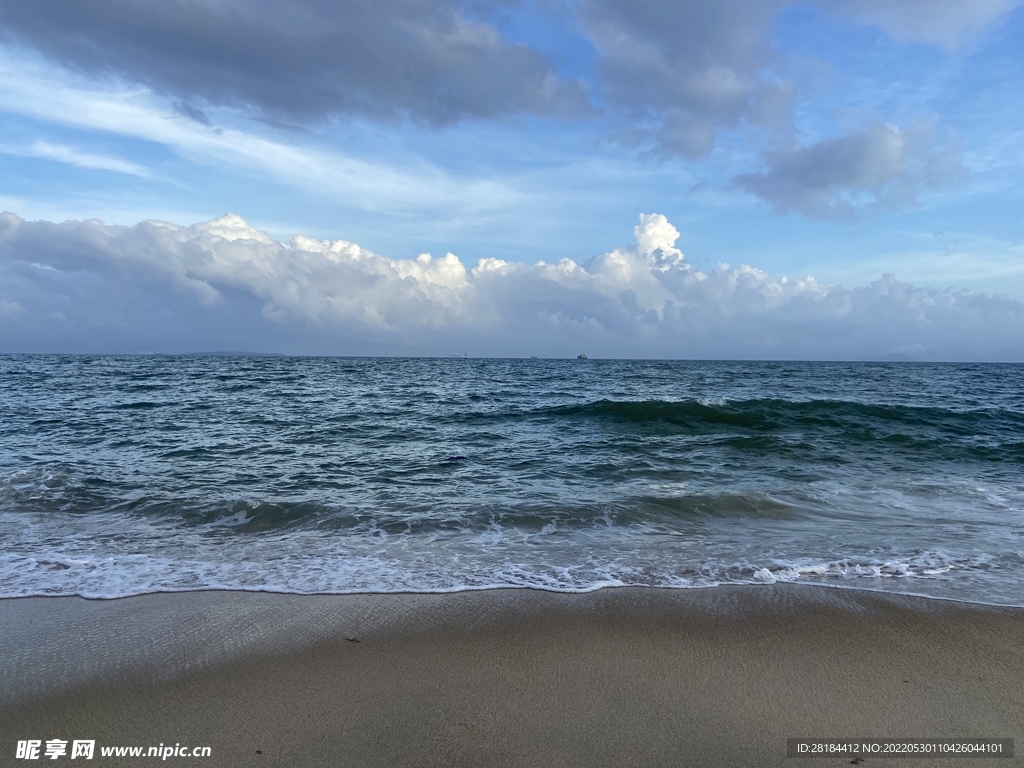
115 555
399 564
239 518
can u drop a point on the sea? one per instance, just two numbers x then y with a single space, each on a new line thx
122 475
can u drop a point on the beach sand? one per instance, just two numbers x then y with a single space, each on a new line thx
618 677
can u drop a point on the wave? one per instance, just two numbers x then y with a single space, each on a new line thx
987 434
772 412
56 492
926 573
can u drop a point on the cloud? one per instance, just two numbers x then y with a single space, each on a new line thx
226 281
307 59
671 76
682 71
58 97
64 154
879 168
946 23
10 308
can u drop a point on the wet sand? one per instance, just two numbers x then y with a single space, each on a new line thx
618 677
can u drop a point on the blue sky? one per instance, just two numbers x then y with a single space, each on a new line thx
842 139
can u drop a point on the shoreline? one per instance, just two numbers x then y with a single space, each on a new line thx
526 588
616 676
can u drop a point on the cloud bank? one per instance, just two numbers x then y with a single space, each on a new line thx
222 284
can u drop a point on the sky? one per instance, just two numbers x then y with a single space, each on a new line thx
830 179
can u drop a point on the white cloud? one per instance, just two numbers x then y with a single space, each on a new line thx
65 154
45 93
978 262
10 308
641 300
947 23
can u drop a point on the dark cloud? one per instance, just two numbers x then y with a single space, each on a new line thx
881 167
305 59
191 112
673 73
683 70
679 70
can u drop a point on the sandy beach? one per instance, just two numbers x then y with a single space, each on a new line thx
618 677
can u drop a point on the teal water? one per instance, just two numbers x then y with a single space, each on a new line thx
121 475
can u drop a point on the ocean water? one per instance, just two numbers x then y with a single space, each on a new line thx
124 475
